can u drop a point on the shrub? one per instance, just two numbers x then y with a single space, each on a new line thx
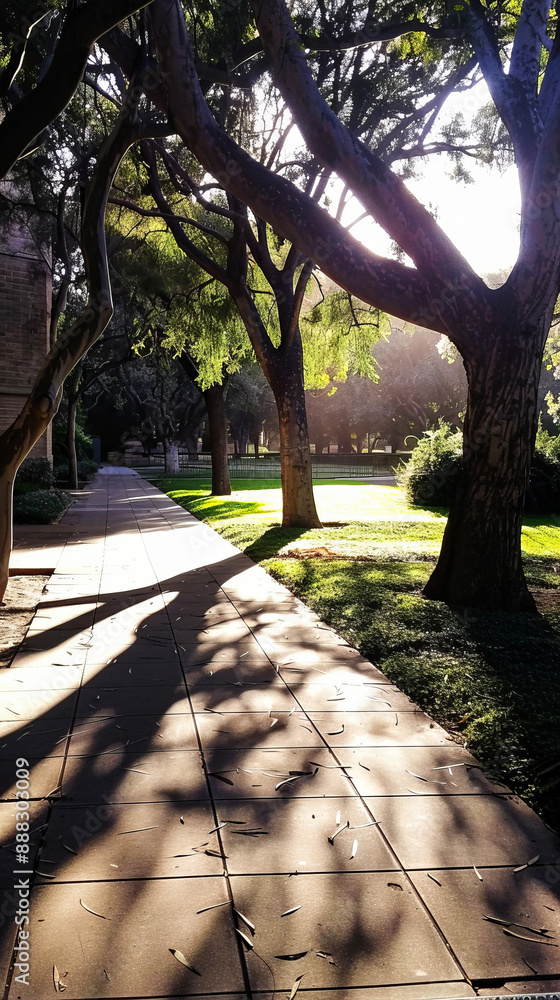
41 506
431 474
34 474
87 469
543 491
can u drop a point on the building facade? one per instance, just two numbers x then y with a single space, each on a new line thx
25 305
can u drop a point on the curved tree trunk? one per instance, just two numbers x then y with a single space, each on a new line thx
480 560
17 441
217 426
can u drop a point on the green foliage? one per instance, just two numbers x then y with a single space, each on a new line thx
84 444
338 335
543 491
432 472
548 444
34 474
41 506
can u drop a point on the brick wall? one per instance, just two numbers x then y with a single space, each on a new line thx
25 302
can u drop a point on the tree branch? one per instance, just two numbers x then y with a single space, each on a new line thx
388 285
83 25
377 187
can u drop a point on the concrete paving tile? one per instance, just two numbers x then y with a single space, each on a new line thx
255 773
436 831
484 950
271 615
321 659
125 777
18 678
107 649
371 925
422 991
127 954
295 836
132 655
255 729
132 700
40 738
56 703
297 635
67 616
229 698
211 618
140 673
36 813
115 842
525 988
385 770
43 779
58 656
369 729
244 673
333 697
313 652
194 653
346 674
133 733
54 638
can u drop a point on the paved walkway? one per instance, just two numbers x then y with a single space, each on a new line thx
228 800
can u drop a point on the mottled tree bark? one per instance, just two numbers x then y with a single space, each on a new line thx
171 457
480 560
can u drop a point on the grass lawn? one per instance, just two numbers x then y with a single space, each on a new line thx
493 680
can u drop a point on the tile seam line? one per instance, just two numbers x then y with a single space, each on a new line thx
225 872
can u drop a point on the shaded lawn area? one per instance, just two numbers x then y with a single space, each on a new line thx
493 680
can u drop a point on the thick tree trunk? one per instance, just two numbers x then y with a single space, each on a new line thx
217 426
171 456
71 443
286 380
344 441
480 560
283 370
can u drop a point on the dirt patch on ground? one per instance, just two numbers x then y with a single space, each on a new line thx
546 599
20 601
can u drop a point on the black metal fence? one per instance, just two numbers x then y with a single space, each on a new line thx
267 466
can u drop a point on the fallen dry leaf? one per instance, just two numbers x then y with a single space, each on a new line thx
93 911
295 987
184 961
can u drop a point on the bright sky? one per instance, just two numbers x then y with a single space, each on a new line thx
481 218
